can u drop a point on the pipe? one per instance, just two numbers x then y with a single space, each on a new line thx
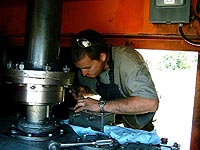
42 34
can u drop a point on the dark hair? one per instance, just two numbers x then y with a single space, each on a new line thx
97 45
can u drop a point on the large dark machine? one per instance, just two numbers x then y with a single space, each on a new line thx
38 82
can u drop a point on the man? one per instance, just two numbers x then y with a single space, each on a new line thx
119 75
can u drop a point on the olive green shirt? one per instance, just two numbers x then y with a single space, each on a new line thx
131 74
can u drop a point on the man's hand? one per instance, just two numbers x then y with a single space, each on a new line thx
87 104
81 92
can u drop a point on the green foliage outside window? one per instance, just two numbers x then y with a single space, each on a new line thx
178 61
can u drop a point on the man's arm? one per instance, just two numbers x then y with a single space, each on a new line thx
130 105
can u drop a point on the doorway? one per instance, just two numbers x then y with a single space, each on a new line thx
174 75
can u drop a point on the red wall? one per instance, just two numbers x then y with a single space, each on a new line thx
110 17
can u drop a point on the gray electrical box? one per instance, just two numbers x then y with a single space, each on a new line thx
169 11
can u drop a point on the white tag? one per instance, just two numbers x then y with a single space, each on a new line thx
169 1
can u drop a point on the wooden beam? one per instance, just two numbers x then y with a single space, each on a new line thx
195 136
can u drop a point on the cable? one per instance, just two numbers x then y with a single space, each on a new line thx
185 38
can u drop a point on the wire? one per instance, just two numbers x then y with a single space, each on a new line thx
185 38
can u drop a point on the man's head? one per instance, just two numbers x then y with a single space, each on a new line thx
87 42
89 52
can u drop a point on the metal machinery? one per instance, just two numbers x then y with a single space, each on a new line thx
37 81
39 91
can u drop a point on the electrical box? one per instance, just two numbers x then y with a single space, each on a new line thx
169 11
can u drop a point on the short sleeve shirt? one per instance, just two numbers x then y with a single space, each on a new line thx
131 74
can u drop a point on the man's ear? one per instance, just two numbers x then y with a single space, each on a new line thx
103 56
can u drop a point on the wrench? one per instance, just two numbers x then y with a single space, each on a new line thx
56 145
